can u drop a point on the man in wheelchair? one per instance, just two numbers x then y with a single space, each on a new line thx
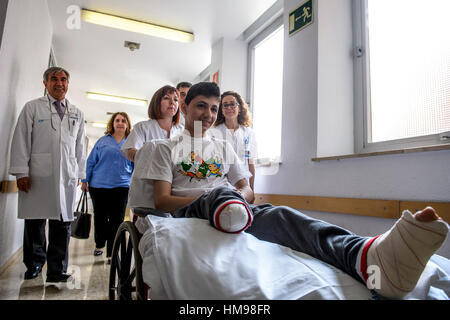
195 175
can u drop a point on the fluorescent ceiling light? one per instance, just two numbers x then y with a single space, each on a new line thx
98 124
126 24
116 99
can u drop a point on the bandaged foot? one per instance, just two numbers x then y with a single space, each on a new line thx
232 217
402 253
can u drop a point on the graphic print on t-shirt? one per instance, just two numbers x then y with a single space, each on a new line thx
196 168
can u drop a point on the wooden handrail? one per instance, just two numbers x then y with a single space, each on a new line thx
363 207
8 186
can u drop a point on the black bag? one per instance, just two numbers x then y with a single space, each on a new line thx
81 225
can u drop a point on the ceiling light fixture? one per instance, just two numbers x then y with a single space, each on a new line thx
116 99
121 23
98 124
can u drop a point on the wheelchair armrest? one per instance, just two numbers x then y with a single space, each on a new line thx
142 212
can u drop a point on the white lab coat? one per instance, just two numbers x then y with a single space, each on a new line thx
52 153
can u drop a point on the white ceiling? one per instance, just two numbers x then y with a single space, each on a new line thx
97 60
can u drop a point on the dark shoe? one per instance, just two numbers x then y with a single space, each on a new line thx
109 261
98 252
63 277
32 272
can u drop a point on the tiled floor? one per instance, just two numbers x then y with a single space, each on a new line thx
91 277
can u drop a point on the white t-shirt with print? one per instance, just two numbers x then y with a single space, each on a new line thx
243 140
196 165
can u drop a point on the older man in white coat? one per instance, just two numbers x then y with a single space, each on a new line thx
48 157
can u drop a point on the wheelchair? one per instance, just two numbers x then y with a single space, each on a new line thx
125 277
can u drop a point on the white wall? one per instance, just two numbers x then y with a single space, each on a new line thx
229 57
234 66
418 176
3 7
24 54
335 78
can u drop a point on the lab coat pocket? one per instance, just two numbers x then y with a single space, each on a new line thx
74 126
41 165
73 168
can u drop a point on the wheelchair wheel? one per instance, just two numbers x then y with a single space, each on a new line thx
125 278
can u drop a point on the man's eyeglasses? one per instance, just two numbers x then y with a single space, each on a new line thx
232 105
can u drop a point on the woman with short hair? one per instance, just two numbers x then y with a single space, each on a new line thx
163 123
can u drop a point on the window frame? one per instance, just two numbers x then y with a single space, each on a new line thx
261 36
362 92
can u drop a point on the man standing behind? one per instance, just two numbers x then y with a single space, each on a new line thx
182 88
48 157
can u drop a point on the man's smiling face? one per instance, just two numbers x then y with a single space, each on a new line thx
202 109
57 85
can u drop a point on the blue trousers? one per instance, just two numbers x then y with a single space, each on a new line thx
287 227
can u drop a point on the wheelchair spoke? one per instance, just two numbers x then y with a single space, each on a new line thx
129 250
130 278
118 263
125 273
123 245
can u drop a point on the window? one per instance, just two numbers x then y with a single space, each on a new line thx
402 73
266 77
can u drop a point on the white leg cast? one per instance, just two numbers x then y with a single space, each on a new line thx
402 253
232 217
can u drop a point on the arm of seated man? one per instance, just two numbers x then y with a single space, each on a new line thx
164 200
131 154
244 189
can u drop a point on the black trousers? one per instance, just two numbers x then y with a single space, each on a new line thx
35 250
109 212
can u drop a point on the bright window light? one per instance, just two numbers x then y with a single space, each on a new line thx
267 95
409 68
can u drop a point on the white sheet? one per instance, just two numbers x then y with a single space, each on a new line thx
188 259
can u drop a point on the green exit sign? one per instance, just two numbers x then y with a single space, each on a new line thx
301 17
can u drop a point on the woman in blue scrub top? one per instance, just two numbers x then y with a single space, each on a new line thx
108 175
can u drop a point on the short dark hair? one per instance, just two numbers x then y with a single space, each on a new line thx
206 89
154 108
184 84
53 70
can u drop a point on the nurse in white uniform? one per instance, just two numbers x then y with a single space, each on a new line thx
164 115
48 157
234 125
